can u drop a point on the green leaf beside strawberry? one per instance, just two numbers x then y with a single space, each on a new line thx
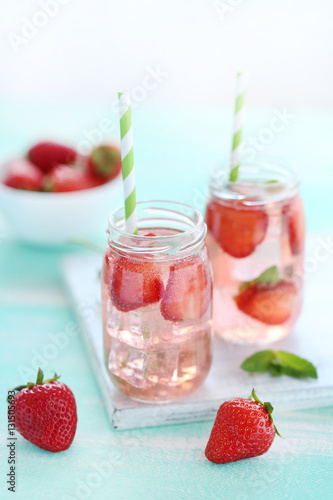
279 363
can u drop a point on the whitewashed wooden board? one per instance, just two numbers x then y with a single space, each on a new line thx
312 338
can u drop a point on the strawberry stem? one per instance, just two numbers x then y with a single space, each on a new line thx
39 380
53 379
268 407
40 376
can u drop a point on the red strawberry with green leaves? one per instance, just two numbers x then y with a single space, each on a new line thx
66 178
242 429
105 161
22 174
45 413
188 292
267 298
237 228
46 155
293 213
134 284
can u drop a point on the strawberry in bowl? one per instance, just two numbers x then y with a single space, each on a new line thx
105 161
52 194
46 155
22 174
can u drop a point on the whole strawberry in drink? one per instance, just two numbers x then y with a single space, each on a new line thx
268 298
45 413
22 174
243 428
105 161
46 155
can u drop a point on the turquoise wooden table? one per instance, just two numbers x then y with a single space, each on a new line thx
174 149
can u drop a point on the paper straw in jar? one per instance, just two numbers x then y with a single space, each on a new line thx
126 136
241 87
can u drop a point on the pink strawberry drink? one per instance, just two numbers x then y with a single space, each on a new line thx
255 237
156 294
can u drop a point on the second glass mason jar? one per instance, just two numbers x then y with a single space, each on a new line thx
256 233
157 302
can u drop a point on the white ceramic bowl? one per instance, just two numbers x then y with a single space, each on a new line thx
55 218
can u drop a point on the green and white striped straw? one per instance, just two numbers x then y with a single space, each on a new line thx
127 159
241 87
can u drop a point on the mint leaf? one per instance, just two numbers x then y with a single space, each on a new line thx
258 362
275 368
279 363
294 366
271 275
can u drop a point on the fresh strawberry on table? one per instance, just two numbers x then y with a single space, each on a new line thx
295 222
188 291
65 178
22 174
105 161
267 298
45 413
46 155
242 429
238 229
134 284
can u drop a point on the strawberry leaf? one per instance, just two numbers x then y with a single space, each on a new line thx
40 376
268 407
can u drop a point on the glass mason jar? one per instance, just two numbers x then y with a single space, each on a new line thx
256 233
157 302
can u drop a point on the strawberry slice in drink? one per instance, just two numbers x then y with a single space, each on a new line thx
271 302
237 228
188 292
295 222
134 284
108 259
